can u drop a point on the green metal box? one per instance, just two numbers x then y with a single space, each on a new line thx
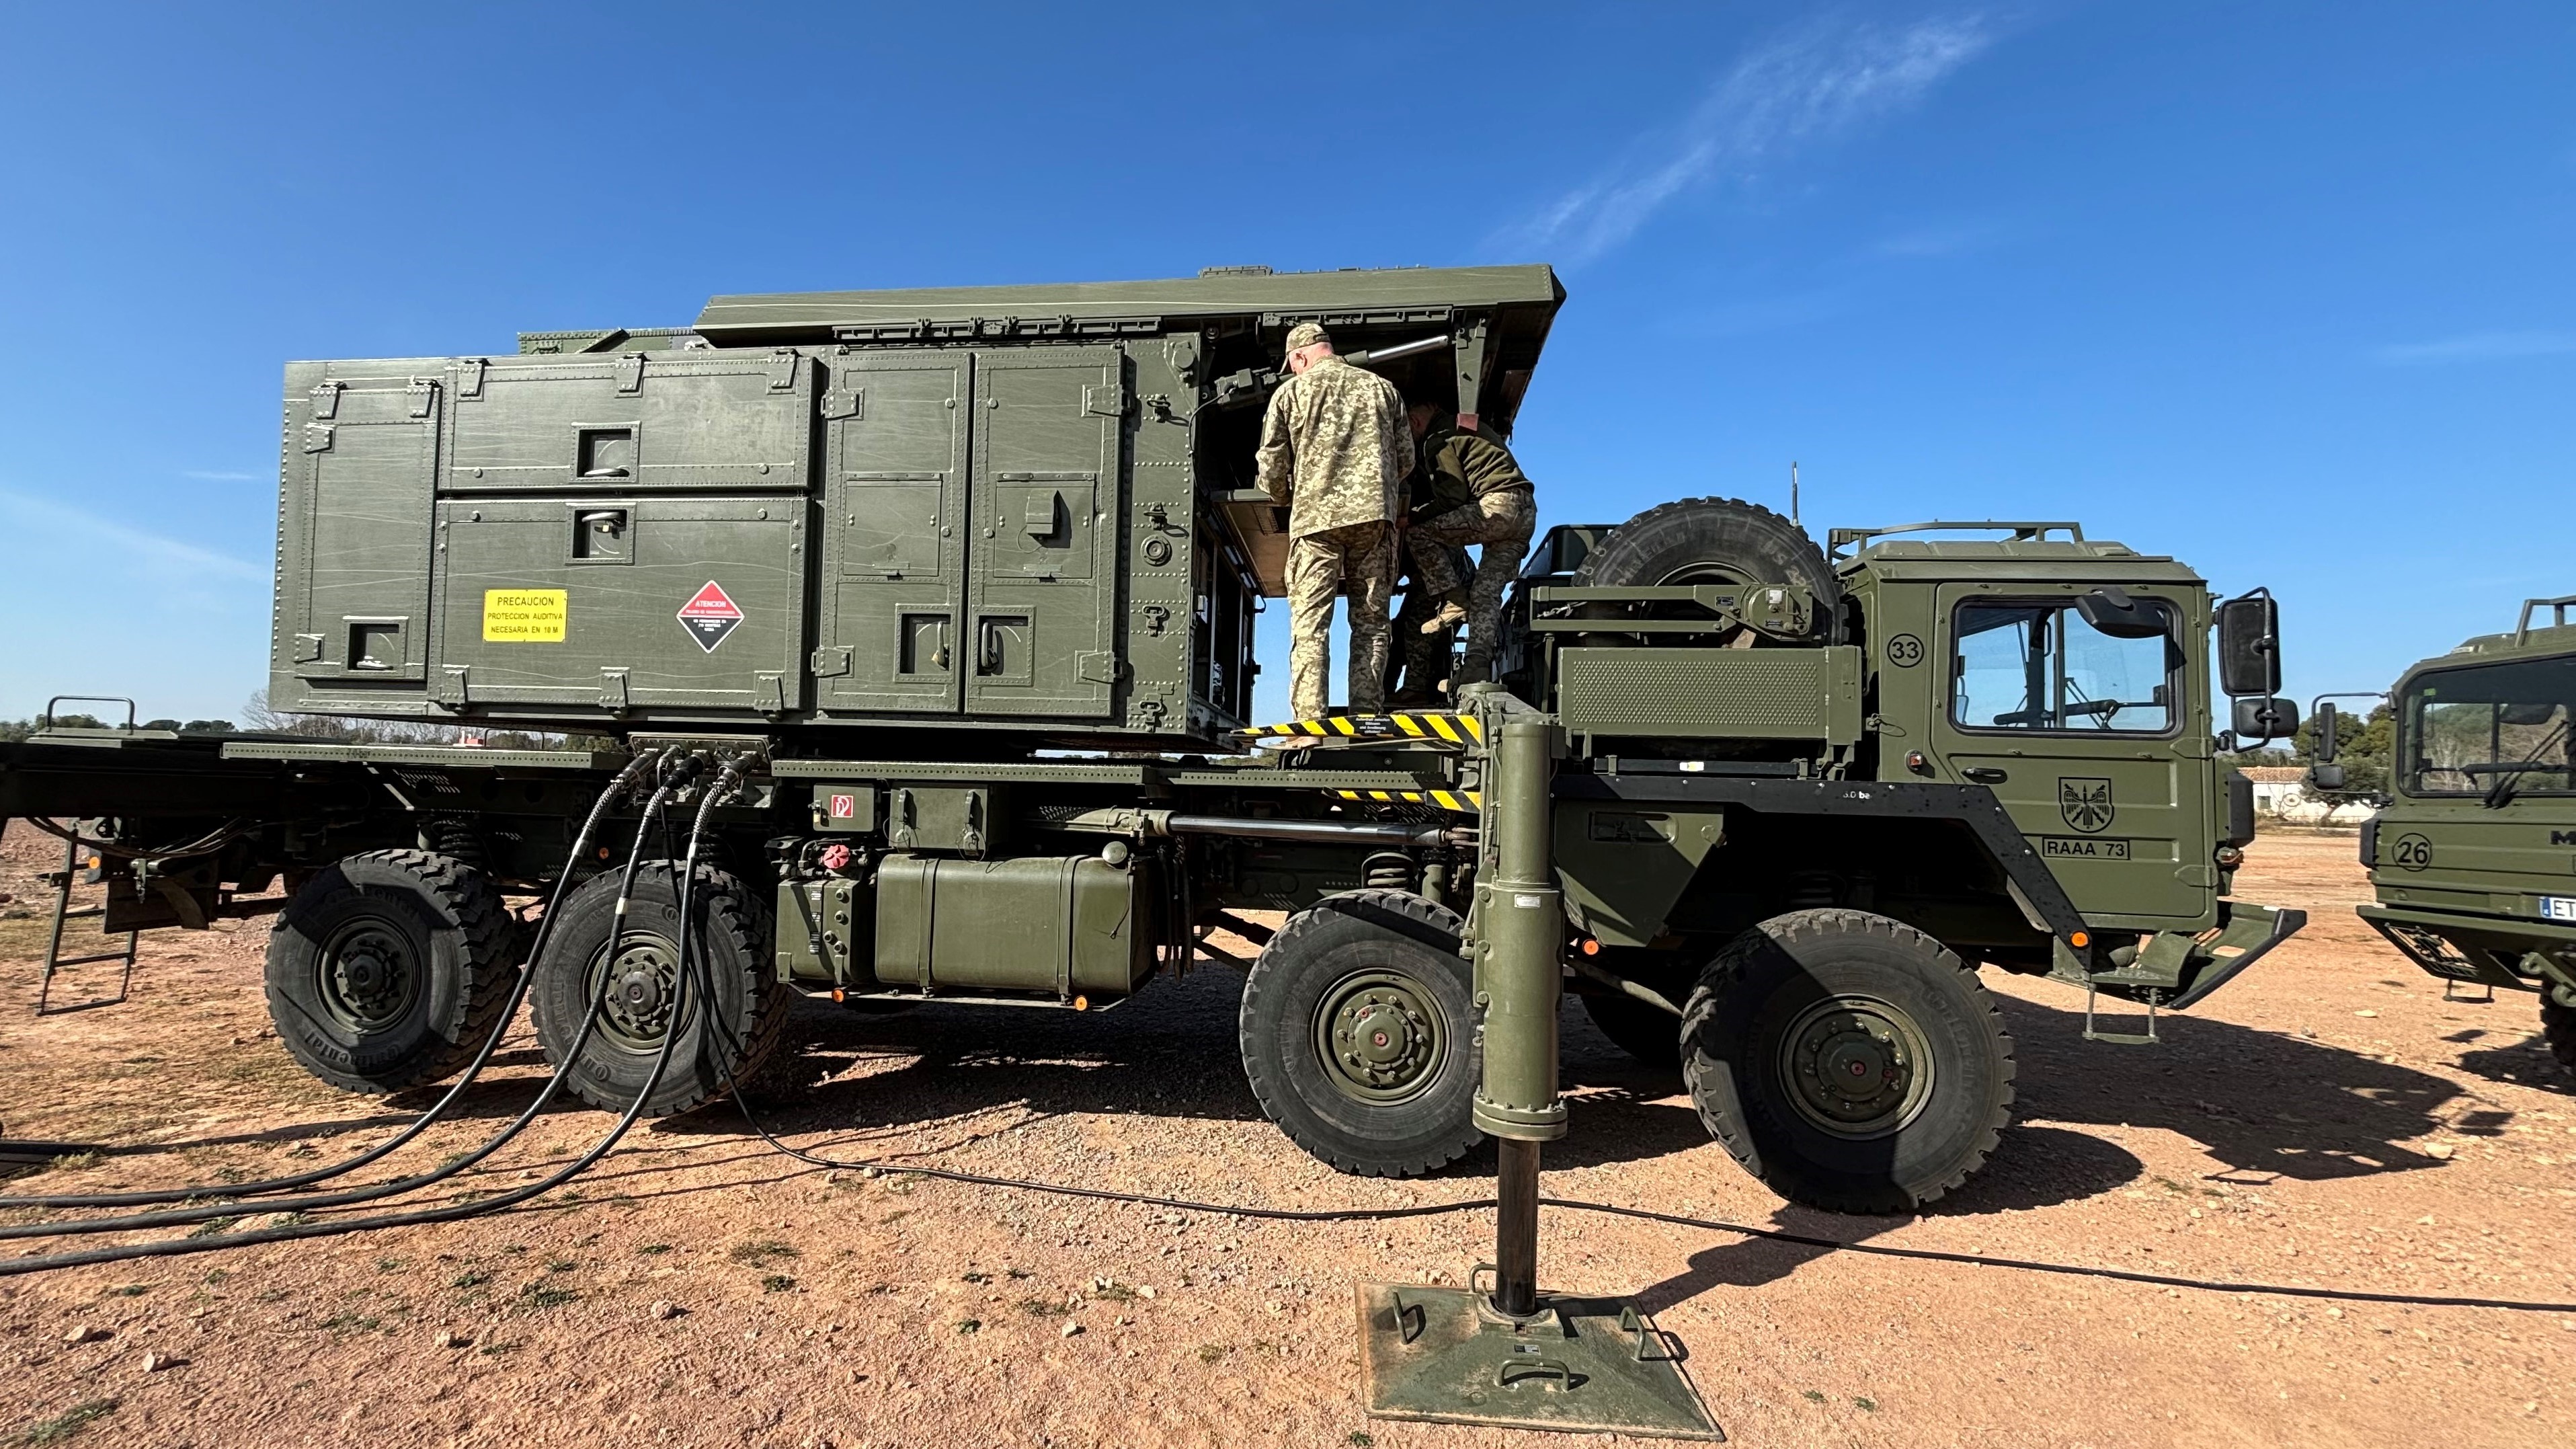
1752 694
1067 925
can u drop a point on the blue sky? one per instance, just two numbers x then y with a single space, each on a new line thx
2283 289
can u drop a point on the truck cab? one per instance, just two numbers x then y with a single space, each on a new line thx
2473 858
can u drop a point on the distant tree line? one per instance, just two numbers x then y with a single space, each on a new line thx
258 718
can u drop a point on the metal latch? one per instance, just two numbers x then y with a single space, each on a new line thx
317 437
782 369
422 395
846 400
630 372
1107 400
830 662
326 399
469 377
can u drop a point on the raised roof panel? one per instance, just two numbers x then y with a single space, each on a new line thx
1223 292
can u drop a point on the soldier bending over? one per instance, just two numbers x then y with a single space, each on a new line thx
1495 507
1335 450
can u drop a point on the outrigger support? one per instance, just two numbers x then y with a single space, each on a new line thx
1499 1351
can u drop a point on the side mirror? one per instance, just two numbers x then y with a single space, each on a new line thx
2266 717
2327 717
2249 646
2111 611
2326 776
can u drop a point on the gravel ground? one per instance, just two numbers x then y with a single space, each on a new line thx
2329 1120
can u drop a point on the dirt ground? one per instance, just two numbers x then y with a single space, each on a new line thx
2328 1120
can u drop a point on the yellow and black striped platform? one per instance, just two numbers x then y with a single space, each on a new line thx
1456 729
1465 802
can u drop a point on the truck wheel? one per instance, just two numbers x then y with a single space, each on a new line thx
1358 1032
1711 541
720 1043
390 969
2558 1024
1847 1060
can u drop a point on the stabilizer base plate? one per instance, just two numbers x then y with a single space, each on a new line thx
1581 1365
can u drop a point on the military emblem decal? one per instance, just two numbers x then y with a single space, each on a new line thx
2086 804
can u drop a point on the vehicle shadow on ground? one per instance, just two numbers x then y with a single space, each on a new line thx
2266 1104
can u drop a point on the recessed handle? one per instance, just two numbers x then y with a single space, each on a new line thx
1985 774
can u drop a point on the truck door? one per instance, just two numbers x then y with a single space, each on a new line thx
2085 737
894 515
1041 580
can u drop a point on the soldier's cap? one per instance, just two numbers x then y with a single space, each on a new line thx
1305 334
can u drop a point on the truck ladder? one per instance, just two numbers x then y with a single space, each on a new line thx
56 961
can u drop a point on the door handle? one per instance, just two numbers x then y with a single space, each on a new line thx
1985 774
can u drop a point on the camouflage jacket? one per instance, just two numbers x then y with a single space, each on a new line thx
1335 448
1460 467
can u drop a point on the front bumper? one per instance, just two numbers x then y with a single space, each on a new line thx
2246 934
2494 950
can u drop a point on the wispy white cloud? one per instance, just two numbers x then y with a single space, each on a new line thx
205 476
2475 347
133 545
1810 86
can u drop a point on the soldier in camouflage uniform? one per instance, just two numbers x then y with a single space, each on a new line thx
1335 451
1490 502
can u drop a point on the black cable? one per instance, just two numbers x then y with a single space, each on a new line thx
449 1212
212 841
616 789
392 1187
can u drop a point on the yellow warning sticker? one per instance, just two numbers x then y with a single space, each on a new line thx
524 616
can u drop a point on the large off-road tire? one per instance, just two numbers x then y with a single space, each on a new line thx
389 969
2558 1026
1711 541
720 1043
1358 1034
1849 1061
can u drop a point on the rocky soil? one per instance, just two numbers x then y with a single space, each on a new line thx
2329 1120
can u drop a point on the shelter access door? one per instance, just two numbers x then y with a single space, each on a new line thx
1042 577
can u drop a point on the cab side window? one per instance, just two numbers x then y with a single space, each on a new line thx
2041 666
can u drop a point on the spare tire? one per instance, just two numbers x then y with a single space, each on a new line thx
1712 541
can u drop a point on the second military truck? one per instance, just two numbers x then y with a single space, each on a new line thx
961 584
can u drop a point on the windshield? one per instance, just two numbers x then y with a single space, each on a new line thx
2492 730
2040 666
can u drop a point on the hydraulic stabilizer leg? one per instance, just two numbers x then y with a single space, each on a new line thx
1511 1355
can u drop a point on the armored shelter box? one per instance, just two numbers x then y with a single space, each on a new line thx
1018 510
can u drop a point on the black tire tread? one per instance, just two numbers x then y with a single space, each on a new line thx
741 918
1731 1135
2558 1027
1617 562
470 903
1271 1094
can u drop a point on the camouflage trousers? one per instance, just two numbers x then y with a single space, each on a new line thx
1502 522
1361 557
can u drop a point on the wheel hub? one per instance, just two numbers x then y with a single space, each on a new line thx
1378 1037
1856 1066
370 976
641 985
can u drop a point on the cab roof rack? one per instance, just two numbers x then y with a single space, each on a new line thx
1837 539
2558 607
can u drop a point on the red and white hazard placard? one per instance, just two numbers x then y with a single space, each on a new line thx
710 615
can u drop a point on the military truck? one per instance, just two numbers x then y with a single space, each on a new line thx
2473 857
961 583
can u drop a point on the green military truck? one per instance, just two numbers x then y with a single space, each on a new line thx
957 586
2473 857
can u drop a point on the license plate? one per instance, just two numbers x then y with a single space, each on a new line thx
2558 908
